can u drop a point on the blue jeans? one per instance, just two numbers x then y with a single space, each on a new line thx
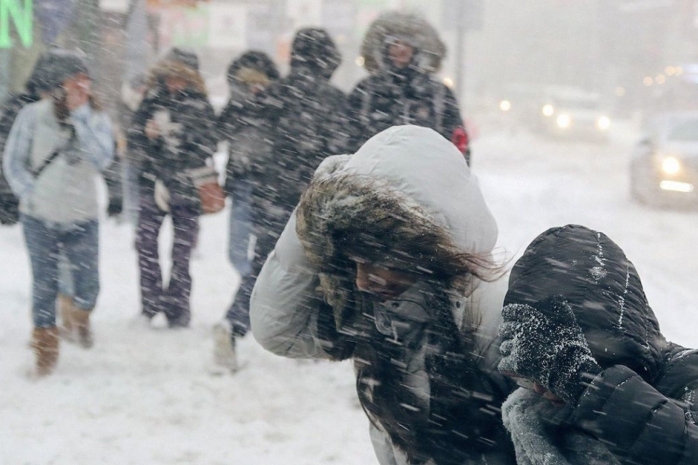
79 243
240 227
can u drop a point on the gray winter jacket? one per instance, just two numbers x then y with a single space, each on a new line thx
65 192
431 178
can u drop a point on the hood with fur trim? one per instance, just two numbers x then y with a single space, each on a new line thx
406 199
409 27
252 61
167 67
603 289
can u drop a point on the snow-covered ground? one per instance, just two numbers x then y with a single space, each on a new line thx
149 396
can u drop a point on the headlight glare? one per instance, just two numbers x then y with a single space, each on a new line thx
564 121
671 165
603 123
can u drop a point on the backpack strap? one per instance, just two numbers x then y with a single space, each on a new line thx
51 158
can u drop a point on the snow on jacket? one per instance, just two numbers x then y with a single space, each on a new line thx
65 191
307 114
643 405
189 138
243 122
392 97
438 197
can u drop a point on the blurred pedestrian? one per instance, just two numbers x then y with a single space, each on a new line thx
248 132
54 150
174 127
605 386
306 114
388 262
402 52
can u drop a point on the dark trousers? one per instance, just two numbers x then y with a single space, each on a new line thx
78 243
172 299
269 223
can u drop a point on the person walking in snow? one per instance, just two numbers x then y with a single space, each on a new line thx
402 52
54 151
605 386
305 114
174 127
248 131
387 261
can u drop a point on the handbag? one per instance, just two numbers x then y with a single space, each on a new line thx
211 193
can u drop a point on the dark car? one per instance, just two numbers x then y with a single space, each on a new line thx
664 165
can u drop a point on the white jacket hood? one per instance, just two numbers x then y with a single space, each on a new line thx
429 169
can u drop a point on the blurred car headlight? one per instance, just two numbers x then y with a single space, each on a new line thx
548 110
564 121
671 165
505 105
603 123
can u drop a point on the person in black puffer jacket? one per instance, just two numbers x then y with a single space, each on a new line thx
402 52
174 127
606 386
307 116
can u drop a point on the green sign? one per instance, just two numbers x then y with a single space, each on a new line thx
11 11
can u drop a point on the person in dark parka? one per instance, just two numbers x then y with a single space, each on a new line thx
248 131
402 52
174 126
579 330
307 116
245 127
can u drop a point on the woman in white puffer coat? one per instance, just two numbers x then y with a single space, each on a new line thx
387 260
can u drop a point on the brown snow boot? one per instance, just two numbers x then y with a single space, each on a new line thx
66 310
81 322
45 345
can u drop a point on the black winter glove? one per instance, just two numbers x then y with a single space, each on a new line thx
546 345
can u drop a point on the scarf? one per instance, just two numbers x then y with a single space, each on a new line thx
540 438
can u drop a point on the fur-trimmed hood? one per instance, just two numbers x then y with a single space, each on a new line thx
406 199
410 27
253 60
603 289
167 67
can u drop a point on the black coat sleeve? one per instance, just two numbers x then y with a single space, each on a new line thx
198 130
451 119
137 140
355 109
639 424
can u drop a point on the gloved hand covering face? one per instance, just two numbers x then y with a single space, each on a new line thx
546 345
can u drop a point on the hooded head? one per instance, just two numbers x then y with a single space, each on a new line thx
313 48
183 56
403 28
406 200
180 64
253 61
602 287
